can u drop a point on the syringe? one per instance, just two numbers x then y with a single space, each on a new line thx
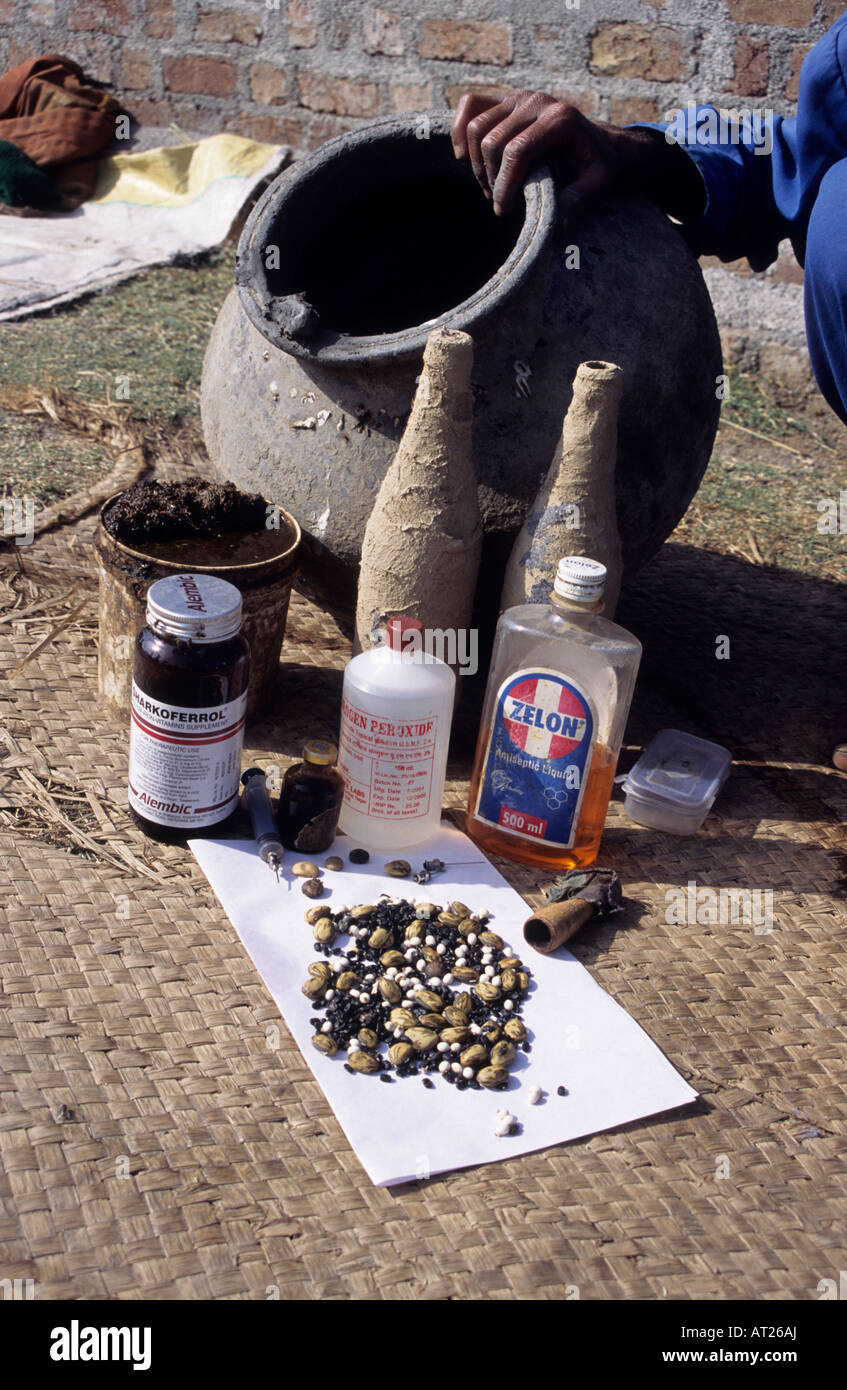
262 818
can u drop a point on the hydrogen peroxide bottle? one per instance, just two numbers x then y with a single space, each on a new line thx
396 711
558 695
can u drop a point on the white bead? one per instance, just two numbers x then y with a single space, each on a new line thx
475 1029
496 980
508 1005
472 938
330 994
448 979
442 1047
534 1095
364 997
410 954
441 950
456 1067
430 941
468 1073
422 964
354 993
326 1027
489 971
337 963
415 941
443 1066
363 931
455 1047
391 973
461 950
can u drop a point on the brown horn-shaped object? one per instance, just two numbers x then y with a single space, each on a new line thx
555 924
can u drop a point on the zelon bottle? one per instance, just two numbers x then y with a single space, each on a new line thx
310 799
189 699
396 710
559 691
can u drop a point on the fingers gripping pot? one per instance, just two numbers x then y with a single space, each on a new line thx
189 701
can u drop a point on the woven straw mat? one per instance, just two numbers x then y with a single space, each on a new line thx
154 1147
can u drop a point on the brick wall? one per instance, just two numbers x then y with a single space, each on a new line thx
299 71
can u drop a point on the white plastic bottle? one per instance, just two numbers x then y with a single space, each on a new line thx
396 711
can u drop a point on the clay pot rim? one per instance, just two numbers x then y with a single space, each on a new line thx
540 207
254 568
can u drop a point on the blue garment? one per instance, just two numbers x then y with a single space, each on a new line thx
785 177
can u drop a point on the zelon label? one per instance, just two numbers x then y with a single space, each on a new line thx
538 756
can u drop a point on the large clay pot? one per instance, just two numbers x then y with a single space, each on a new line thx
384 235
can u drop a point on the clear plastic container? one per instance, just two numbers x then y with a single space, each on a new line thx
675 781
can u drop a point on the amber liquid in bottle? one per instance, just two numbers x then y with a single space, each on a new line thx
559 690
595 802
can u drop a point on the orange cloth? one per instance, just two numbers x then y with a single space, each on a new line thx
49 113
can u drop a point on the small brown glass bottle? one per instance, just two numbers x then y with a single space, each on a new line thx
310 799
189 698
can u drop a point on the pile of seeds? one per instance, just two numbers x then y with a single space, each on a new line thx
434 984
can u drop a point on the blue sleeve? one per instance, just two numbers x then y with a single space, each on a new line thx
762 172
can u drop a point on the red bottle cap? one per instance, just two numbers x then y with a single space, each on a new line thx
397 629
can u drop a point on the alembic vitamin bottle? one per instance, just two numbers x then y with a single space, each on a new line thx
189 699
558 694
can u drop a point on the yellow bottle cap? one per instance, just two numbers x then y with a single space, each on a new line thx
319 750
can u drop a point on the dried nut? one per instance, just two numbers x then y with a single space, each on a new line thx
358 856
324 931
523 981
424 910
347 980
466 926
400 1052
460 910
451 1035
510 963
403 1018
448 919
335 862
490 938
389 990
430 954
463 1003
381 938
315 987
488 993
363 1061
325 1043
508 979
362 911
314 914
433 970
430 1000
457 1017
390 958
492 1077
422 1039
465 974
474 1056
414 929
367 1037
312 887
490 1031
436 1021
515 1030
321 970
503 1054
398 868
304 868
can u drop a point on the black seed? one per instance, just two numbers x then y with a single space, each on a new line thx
359 856
561 1090
430 1085
385 1077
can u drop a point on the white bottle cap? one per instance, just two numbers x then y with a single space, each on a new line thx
194 607
579 579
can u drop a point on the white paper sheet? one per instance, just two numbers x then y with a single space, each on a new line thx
580 1037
